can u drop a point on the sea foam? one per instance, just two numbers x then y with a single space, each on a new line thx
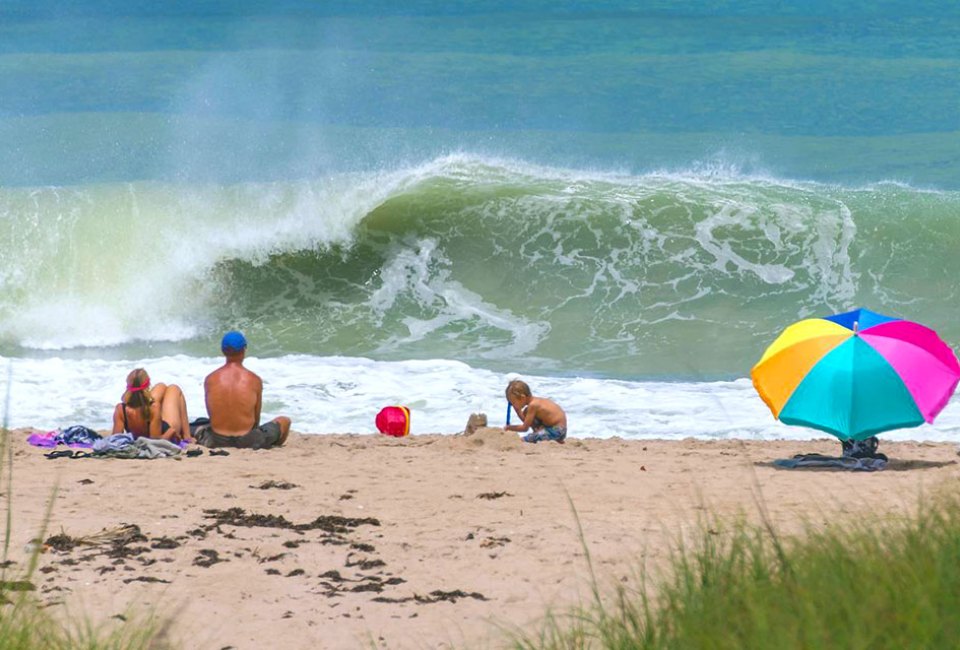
343 395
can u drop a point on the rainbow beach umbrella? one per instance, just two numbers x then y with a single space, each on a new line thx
856 374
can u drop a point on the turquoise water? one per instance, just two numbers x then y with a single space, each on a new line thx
560 190
233 91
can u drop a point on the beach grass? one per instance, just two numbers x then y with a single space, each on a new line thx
866 582
25 624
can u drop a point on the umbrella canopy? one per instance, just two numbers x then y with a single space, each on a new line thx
856 374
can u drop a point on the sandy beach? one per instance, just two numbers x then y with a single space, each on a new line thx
431 541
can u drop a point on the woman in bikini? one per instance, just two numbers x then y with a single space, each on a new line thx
157 412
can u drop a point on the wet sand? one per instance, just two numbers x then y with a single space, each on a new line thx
432 541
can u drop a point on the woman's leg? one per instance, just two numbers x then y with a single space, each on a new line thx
158 392
184 420
173 410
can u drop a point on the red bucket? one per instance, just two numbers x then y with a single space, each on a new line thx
394 421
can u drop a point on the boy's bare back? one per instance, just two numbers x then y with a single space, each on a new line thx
546 413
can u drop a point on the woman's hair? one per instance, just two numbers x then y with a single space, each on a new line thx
518 388
138 394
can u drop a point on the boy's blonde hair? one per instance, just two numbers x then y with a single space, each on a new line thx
517 388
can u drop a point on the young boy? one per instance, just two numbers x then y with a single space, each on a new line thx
544 416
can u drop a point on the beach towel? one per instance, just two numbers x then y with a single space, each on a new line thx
838 462
43 439
858 456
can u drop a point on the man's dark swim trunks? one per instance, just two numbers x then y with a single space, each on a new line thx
262 437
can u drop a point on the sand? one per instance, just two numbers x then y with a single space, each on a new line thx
432 541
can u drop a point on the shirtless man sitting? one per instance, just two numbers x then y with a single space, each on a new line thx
233 396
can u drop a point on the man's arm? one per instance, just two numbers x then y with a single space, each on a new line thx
256 412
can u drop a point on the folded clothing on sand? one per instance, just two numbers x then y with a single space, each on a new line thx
124 445
114 442
197 424
75 436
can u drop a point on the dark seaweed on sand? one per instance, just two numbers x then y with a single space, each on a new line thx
145 579
493 495
364 564
164 543
434 596
326 523
207 558
117 541
275 485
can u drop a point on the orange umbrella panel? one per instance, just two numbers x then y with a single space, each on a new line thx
791 356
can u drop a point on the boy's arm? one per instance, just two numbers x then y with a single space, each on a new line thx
529 415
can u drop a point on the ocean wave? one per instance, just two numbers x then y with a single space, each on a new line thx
682 273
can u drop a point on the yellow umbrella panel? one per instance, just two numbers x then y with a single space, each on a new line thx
789 358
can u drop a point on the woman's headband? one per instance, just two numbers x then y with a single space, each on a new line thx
134 389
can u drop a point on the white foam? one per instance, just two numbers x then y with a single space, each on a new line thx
418 271
341 394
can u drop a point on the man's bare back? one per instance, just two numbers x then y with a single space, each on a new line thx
233 396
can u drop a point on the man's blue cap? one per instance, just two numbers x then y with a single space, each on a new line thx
233 342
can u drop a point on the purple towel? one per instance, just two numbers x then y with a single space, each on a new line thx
43 439
73 437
